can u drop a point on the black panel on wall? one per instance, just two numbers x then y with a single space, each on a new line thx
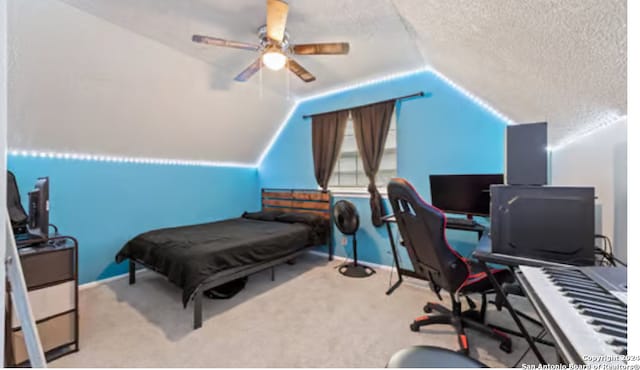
527 154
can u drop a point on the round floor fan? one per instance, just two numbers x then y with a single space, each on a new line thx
346 217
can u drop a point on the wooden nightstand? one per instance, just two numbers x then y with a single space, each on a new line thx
51 275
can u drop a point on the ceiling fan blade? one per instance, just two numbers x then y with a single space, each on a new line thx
226 43
249 71
329 48
277 11
299 70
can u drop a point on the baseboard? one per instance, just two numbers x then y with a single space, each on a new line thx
409 280
97 283
340 258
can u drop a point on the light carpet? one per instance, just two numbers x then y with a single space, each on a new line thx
310 316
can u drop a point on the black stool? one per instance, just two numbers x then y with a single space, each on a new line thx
429 356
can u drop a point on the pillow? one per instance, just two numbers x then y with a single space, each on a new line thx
302 217
319 226
262 215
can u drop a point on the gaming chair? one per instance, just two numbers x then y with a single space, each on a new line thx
422 228
16 212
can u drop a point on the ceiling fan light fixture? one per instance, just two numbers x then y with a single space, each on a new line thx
276 52
274 60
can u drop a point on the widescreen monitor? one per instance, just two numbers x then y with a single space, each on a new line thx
463 194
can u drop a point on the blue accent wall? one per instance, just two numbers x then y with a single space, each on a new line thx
104 204
444 132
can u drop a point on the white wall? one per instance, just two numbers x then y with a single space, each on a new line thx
79 83
600 160
3 157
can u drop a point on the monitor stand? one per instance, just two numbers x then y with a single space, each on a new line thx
468 221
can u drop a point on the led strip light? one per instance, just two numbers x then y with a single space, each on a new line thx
366 83
287 118
121 159
379 80
275 136
614 118
474 98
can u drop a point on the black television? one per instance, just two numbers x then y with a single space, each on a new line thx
463 194
38 221
549 223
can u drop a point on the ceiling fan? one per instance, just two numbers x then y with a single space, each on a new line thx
274 48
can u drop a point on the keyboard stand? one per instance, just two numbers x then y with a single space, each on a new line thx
484 256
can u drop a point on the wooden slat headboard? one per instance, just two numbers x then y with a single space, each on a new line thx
297 200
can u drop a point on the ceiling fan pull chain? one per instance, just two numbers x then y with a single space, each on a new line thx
288 77
260 82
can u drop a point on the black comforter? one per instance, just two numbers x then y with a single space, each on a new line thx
188 255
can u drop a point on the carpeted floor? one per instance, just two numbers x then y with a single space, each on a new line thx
310 316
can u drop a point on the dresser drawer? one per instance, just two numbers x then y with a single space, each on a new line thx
54 333
49 267
49 301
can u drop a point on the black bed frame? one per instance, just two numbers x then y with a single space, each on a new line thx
299 201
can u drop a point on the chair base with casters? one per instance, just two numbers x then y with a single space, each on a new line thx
462 320
429 356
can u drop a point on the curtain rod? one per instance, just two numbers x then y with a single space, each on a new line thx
421 93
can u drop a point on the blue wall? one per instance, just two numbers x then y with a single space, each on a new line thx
444 132
104 204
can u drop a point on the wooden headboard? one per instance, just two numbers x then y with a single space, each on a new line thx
297 200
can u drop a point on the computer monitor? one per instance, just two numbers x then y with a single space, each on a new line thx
463 194
549 223
38 222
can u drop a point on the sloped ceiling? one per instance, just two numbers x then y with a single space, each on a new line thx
559 61
564 62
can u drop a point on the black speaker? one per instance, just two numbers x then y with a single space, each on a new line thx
527 154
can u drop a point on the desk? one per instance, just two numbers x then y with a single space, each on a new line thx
391 219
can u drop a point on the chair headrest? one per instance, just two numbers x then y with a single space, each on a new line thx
399 188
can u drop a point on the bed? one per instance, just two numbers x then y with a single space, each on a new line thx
199 257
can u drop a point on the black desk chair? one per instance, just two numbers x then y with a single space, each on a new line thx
429 356
422 227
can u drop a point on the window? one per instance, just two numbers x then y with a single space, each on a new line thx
349 173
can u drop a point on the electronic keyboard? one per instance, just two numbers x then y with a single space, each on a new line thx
583 308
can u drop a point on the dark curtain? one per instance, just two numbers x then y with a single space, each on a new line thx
371 126
327 132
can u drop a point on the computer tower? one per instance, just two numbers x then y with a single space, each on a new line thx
526 154
549 223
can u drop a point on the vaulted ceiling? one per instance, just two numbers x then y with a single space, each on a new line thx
536 60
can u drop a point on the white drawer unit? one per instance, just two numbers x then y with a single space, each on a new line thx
51 274
54 332
49 301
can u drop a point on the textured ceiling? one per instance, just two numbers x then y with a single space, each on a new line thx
564 62
559 61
